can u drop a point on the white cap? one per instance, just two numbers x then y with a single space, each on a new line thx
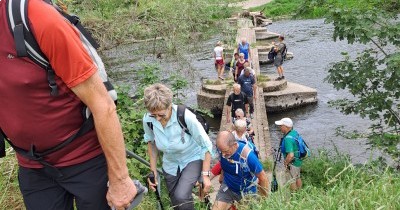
285 121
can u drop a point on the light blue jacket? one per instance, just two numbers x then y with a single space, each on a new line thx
169 140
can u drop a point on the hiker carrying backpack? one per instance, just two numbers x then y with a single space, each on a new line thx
236 100
293 149
241 169
50 73
186 148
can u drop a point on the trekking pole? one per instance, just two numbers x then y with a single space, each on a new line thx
140 159
152 179
274 183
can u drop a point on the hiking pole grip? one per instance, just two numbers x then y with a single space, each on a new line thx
152 179
140 191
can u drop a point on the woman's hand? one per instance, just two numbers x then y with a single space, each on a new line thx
206 185
152 184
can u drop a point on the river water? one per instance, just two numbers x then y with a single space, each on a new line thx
314 50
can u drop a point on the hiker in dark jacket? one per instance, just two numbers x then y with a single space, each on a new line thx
186 157
249 87
36 121
292 162
236 100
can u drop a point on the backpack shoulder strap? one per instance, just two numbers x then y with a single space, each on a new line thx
150 124
25 43
2 144
245 152
181 118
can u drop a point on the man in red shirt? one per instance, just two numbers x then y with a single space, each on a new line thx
35 120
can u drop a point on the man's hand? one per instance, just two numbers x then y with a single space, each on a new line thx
121 193
255 97
228 119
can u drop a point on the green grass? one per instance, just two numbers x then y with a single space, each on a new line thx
310 9
10 196
277 9
332 182
329 182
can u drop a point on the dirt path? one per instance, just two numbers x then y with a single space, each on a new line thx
253 3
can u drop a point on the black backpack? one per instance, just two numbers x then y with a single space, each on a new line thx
284 52
272 54
27 46
181 120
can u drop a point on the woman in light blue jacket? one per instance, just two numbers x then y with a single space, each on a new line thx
186 157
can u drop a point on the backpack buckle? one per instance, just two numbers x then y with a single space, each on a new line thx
75 19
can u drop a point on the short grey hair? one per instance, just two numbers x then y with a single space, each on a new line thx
240 124
157 97
236 86
241 54
231 140
239 111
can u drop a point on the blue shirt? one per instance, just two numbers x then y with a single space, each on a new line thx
239 174
244 49
246 84
169 140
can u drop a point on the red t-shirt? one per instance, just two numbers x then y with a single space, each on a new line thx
29 115
240 67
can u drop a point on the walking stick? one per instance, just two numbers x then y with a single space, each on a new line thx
152 179
206 197
274 183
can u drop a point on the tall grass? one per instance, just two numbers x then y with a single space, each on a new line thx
329 182
10 196
332 182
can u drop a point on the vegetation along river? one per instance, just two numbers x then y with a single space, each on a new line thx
314 51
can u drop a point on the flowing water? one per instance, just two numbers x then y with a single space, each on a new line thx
314 51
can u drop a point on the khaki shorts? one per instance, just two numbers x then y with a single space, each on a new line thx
293 173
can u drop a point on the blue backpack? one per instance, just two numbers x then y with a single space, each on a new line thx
304 151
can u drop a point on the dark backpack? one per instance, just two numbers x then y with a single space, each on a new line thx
284 52
303 152
181 120
27 46
272 54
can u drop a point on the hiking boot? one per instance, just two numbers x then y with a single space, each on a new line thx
283 77
277 79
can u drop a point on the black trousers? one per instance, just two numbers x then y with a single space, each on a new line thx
86 183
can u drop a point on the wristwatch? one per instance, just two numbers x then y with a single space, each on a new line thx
206 173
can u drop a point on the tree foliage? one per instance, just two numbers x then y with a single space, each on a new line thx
175 21
373 76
